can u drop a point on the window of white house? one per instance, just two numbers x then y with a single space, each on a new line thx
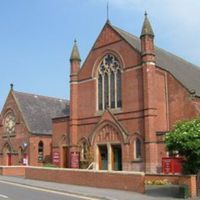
109 83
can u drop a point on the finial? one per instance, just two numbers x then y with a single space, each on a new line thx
145 13
11 86
75 41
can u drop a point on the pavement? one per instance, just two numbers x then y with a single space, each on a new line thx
152 193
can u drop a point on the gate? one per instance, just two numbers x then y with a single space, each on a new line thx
198 183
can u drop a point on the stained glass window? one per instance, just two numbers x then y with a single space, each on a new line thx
112 89
109 83
106 90
119 98
100 92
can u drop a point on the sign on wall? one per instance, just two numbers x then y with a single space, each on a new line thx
56 158
172 165
75 157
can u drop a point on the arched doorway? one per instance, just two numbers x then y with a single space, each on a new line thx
108 144
7 156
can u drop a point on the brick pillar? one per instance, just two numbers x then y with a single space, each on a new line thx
148 65
75 67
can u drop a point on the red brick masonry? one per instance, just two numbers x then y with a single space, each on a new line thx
12 170
189 180
131 181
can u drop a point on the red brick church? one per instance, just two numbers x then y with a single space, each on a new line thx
123 99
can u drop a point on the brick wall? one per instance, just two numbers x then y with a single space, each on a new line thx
33 150
189 180
12 171
115 180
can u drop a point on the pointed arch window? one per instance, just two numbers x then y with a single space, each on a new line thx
40 151
109 83
100 92
84 149
138 149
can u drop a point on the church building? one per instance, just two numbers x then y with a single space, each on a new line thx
123 100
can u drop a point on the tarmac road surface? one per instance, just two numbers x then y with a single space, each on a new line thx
16 191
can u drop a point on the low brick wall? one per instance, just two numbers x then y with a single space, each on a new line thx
189 180
12 170
129 181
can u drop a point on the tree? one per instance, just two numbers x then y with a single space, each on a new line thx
185 138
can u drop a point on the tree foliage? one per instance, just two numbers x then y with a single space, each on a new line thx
185 138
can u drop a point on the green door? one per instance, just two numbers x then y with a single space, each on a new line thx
117 158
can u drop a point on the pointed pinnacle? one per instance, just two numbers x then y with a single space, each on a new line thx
75 53
146 28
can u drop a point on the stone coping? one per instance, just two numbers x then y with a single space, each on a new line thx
90 171
12 166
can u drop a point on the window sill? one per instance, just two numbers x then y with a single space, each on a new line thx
112 110
137 161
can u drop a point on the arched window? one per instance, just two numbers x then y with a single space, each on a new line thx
10 123
138 149
84 150
109 83
20 154
40 151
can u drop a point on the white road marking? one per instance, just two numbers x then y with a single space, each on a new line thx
4 196
48 191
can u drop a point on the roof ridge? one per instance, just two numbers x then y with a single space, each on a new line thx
156 47
126 32
184 71
31 94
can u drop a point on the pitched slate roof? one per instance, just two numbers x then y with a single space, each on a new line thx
38 111
185 72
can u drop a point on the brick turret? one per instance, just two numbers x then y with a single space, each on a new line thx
75 61
148 65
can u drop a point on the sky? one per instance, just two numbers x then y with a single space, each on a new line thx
36 36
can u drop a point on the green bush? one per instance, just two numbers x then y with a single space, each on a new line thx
49 165
185 139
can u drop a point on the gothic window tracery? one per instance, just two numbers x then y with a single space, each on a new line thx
109 83
9 123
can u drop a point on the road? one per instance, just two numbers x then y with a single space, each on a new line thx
16 191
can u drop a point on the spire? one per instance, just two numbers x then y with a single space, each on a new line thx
147 29
75 53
